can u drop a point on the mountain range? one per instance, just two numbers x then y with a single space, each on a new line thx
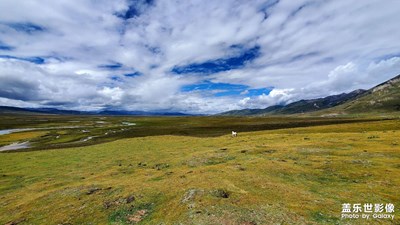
384 97
54 111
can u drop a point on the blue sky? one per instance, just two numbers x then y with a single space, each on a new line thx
192 56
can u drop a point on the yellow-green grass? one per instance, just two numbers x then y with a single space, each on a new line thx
75 131
287 176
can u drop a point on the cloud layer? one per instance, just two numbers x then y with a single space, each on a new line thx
192 56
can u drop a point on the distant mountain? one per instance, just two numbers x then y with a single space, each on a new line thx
140 113
53 111
302 106
17 110
249 112
12 110
384 97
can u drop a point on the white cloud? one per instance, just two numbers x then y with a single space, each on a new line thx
308 49
343 78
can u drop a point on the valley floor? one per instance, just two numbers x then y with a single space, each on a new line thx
284 176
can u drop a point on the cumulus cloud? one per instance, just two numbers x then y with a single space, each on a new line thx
140 55
343 78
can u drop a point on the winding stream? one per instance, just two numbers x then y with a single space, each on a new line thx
15 146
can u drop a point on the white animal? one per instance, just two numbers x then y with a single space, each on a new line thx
234 134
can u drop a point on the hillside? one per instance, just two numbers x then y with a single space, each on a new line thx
304 106
384 97
248 112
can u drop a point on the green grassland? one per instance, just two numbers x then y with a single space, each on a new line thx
189 170
61 131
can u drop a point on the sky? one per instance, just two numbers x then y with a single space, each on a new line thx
192 56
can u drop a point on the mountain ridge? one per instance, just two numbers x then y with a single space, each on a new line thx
384 97
301 106
54 111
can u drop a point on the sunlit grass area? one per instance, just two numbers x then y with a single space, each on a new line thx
283 176
60 131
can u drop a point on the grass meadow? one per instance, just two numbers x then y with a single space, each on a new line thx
189 170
